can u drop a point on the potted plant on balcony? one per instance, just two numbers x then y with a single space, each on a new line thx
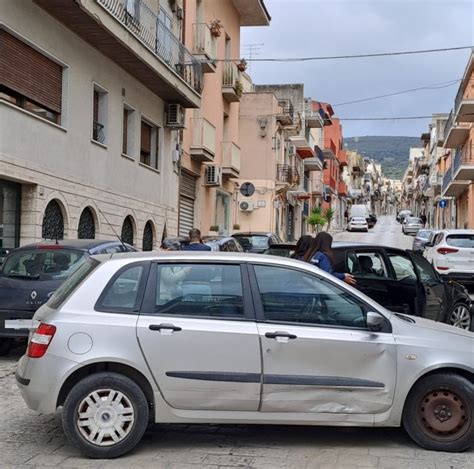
214 229
236 227
239 88
242 65
215 28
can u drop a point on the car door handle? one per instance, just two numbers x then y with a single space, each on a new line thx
170 328
283 335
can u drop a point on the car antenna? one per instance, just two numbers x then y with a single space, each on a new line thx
113 229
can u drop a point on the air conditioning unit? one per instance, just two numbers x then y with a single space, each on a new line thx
246 206
175 116
213 176
291 150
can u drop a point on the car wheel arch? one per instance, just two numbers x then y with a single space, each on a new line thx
135 375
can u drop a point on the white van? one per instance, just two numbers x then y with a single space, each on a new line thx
359 211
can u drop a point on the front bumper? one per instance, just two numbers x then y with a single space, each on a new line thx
40 380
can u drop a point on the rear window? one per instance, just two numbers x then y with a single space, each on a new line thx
43 264
415 220
65 290
461 240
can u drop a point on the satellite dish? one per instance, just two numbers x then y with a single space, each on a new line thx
247 189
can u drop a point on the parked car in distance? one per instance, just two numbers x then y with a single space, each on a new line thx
451 252
372 220
256 242
281 249
222 243
358 224
232 338
404 282
402 214
3 253
411 225
30 275
421 238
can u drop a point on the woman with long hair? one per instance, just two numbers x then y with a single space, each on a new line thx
321 255
302 246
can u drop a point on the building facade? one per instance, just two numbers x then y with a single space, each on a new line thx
211 151
91 96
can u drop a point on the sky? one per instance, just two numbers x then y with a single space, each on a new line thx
308 28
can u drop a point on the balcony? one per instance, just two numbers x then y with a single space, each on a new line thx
342 189
230 160
313 164
330 182
285 115
330 149
464 102
422 166
455 135
461 172
314 119
303 147
342 157
132 35
231 85
203 145
286 174
205 47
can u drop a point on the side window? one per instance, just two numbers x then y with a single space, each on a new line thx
438 239
112 249
209 290
403 267
122 292
367 264
293 296
425 270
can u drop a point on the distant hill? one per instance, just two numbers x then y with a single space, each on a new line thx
391 152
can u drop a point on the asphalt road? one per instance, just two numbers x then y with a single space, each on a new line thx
386 231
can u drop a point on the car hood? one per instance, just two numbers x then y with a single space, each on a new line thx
442 328
25 295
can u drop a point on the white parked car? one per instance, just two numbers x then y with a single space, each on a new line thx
452 253
216 337
358 224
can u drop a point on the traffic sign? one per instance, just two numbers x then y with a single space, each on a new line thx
443 203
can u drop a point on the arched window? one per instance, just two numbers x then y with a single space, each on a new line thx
86 228
127 231
148 237
53 221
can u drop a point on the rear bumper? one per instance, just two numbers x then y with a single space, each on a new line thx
14 333
358 228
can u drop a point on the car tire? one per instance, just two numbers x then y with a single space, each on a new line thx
127 413
428 414
460 316
5 346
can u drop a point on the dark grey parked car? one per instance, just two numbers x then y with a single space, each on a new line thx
30 275
421 238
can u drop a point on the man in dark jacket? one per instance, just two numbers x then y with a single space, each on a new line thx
195 242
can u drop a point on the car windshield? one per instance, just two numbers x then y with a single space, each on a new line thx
43 264
461 240
252 241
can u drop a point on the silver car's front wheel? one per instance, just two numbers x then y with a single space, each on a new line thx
460 316
105 415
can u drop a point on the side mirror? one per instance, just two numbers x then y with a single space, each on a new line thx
374 321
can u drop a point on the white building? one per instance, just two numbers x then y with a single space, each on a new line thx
86 145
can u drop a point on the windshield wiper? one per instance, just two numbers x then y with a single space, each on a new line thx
29 277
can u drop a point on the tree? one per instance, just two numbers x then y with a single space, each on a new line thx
328 216
316 219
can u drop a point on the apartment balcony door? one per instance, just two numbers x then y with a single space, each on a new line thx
10 201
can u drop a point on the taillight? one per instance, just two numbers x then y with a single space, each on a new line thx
40 340
442 268
447 250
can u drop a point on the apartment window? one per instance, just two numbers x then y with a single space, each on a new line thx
128 142
29 79
99 114
149 144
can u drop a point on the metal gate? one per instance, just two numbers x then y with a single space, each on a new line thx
187 199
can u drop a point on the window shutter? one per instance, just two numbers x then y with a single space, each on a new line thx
30 73
125 131
95 111
145 144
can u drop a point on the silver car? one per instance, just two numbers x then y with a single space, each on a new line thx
238 338
412 225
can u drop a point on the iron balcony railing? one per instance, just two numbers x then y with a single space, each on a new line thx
142 22
287 174
286 107
449 124
98 132
448 176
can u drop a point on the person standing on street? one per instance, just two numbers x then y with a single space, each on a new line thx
302 246
195 242
423 219
320 254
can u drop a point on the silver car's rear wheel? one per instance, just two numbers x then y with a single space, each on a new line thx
105 414
105 417
460 317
